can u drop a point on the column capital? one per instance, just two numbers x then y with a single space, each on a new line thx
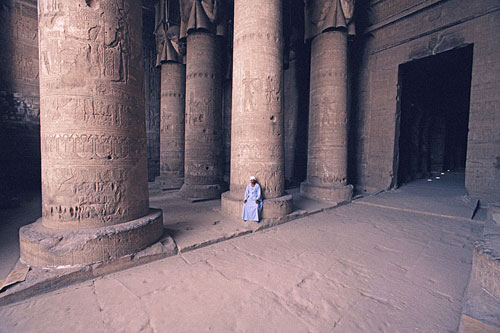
321 15
169 47
204 15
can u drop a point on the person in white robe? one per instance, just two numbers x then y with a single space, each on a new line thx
252 204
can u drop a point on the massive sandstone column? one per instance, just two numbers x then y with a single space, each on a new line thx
172 105
95 204
203 159
257 145
328 119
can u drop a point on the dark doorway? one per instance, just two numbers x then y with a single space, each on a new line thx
434 110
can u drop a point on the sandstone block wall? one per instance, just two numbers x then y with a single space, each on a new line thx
19 97
396 37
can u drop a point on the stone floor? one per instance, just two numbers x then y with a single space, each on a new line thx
395 262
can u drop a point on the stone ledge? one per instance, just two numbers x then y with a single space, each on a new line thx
43 280
165 182
212 191
481 304
271 208
339 194
44 247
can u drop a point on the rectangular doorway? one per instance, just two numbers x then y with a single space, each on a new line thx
434 100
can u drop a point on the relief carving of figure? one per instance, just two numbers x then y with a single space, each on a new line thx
202 14
324 14
117 41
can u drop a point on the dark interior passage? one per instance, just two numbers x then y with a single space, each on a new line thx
434 110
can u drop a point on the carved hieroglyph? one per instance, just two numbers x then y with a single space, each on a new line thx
173 91
170 57
203 164
327 158
257 133
203 156
327 149
93 144
93 136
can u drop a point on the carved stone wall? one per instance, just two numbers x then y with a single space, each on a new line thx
19 98
396 38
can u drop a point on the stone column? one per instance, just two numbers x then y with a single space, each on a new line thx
203 159
172 105
291 97
95 204
257 144
328 119
173 91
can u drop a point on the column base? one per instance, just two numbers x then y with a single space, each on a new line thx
212 191
271 208
42 246
169 183
337 194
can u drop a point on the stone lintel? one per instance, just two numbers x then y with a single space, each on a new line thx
42 246
338 194
271 208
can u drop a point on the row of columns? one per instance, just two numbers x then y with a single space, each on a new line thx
95 197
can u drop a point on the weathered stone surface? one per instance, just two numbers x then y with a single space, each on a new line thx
257 129
328 119
203 160
93 141
42 246
326 14
19 99
291 97
173 91
337 194
271 208
152 83
41 280
93 138
355 268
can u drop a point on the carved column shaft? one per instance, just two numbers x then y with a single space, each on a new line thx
93 139
203 168
291 97
327 149
173 91
257 133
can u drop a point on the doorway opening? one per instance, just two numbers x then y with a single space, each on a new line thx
434 115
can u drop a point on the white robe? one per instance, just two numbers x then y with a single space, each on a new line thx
251 209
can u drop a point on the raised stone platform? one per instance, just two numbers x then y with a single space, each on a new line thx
43 280
45 247
212 191
327 193
189 225
481 306
271 208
